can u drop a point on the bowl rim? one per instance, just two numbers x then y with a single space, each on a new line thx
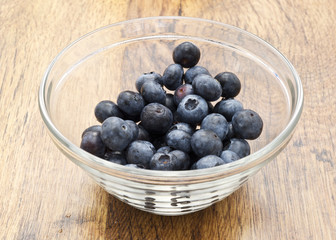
166 177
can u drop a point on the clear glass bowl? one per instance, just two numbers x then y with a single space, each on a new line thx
107 61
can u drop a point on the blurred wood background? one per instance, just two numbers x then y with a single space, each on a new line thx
43 195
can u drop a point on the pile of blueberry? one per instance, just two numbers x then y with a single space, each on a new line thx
181 130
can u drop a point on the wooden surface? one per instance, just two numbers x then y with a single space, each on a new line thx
43 195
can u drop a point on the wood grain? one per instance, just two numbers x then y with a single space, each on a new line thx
45 196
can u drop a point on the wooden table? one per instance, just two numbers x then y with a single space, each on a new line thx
43 195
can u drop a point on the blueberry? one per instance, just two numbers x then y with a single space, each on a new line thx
152 91
130 103
143 134
181 92
147 76
163 161
230 84
183 159
179 140
133 128
184 127
191 73
228 108
229 156
106 109
217 123
94 128
140 152
169 103
239 146
207 87
192 109
208 162
156 118
187 54
115 157
165 149
206 142
172 76
92 143
247 124
116 133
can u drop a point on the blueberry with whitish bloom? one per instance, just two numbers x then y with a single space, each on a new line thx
206 142
116 133
207 87
192 109
140 152
239 146
228 107
179 140
208 161
151 76
191 73
247 124
172 76
106 109
229 156
217 123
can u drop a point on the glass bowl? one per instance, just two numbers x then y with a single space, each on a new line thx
107 61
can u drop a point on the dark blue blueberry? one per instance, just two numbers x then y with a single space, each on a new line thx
229 156
183 159
169 103
217 123
181 92
165 149
164 162
172 76
131 103
116 133
230 84
191 73
147 77
247 124
133 128
115 157
208 162
152 91
179 140
92 143
140 152
239 146
156 118
207 87
206 142
94 128
138 166
192 109
184 127
228 108
143 134
106 109
186 54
